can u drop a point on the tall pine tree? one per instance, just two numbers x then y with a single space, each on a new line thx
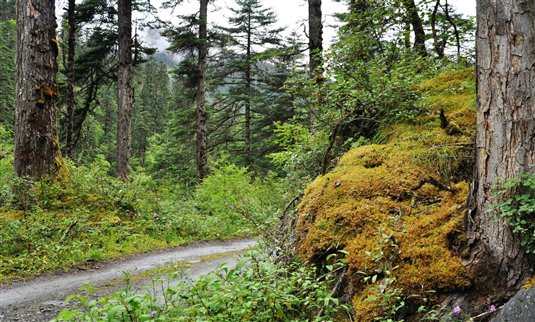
252 36
125 94
8 34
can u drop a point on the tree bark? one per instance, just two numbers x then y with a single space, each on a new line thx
248 84
37 152
315 38
202 157
125 91
315 45
438 42
455 30
417 26
71 44
505 142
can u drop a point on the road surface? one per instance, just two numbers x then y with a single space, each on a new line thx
41 298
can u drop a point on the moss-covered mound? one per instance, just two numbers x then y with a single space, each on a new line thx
397 208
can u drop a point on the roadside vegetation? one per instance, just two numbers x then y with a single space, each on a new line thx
256 289
90 216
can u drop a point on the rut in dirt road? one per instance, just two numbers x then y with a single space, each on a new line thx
42 298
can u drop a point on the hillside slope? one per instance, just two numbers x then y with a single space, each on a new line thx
397 208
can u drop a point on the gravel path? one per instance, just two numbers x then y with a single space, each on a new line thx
40 299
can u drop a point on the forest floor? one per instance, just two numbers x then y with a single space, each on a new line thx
41 298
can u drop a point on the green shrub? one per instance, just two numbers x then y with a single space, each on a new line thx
256 289
6 166
301 155
48 225
232 200
516 206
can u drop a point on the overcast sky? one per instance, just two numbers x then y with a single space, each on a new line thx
292 14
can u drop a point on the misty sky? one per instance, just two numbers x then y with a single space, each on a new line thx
292 14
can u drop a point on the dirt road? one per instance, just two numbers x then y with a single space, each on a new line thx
41 298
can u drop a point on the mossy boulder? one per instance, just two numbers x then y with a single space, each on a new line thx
397 208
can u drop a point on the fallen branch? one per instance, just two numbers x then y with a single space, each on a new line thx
68 230
289 206
332 140
337 285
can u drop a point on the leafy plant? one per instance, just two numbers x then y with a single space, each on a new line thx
386 297
256 289
92 216
516 205
301 154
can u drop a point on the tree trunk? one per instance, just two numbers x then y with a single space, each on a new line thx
202 157
248 84
417 26
455 30
125 91
315 45
71 44
315 38
37 151
438 42
505 142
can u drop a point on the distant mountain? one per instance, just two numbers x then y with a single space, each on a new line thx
165 58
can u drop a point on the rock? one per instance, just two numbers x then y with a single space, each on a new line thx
520 308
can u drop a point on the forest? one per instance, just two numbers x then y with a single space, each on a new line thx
210 160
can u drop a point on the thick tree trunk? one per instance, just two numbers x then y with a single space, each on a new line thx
315 38
505 143
202 157
71 44
125 91
36 141
417 26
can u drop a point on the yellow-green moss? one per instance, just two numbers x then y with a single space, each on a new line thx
529 283
12 214
375 187
449 82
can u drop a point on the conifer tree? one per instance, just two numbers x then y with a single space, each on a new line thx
124 89
252 37
315 37
95 66
7 72
71 76
202 157
191 38
151 108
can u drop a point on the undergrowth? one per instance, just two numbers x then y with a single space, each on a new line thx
516 205
256 289
47 225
